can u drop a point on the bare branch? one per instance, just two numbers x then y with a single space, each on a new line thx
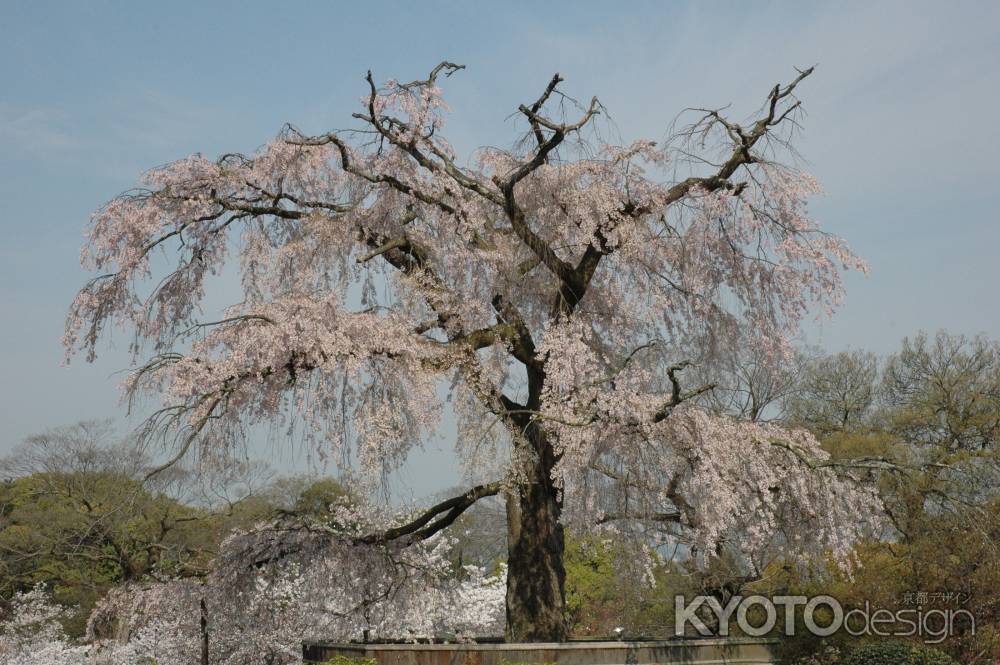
673 517
433 519
537 106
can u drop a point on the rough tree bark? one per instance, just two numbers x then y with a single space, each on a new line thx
536 576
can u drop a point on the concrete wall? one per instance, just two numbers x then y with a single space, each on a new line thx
693 652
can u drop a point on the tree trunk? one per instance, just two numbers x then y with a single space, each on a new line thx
536 596
204 632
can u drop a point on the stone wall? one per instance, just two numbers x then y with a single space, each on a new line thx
583 652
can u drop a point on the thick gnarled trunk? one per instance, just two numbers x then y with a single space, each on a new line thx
535 573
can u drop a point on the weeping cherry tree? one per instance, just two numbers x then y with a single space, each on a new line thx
550 295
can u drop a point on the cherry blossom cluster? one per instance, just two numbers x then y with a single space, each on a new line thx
273 587
631 456
32 635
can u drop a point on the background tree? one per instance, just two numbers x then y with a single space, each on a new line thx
748 383
76 516
925 419
942 402
835 393
560 288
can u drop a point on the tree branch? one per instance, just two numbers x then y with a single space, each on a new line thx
676 396
673 517
433 519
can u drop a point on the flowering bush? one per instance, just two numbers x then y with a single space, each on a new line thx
279 584
32 635
272 589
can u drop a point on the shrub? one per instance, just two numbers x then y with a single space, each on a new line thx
349 660
827 656
898 653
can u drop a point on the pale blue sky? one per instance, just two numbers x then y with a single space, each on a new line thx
901 130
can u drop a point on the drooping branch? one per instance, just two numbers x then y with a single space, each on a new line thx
484 337
743 142
288 531
348 164
196 429
448 68
434 519
741 155
866 462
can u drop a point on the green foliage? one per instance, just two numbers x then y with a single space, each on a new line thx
348 660
592 587
319 497
606 589
80 533
898 653
79 520
933 410
882 653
